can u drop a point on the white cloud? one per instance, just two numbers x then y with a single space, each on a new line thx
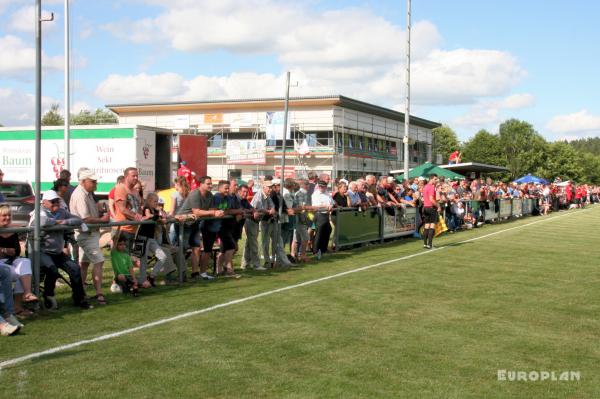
22 58
350 51
579 123
142 87
18 108
23 20
487 113
517 101
79 106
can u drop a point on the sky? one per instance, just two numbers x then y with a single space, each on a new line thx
474 64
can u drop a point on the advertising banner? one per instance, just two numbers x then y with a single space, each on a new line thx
274 126
246 152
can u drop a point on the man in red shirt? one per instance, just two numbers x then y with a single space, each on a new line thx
430 210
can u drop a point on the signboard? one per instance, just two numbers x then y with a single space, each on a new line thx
106 152
274 126
181 122
213 118
505 208
289 173
401 222
246 152
145 147
244 119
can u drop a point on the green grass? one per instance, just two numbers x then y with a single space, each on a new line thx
437 325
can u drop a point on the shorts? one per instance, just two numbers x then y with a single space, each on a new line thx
208 239
301 233
227 241
430 215
89 248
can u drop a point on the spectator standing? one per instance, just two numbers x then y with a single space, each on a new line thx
66 175
323 202
201 239
83 205
111 197
264 211
301 237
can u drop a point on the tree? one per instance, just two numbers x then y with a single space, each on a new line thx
590 165
53 117
99 117
445 142
562 161
522 147
484 147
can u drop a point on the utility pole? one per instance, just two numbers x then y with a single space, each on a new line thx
285 124
38 141
407 107
67 91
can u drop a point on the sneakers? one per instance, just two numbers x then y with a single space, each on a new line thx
260 268
14 321
319 255
116 288
8 329
50 303
206 277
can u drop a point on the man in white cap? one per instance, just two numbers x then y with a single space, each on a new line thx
52 256
82 204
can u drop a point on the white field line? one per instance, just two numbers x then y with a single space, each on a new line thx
61 348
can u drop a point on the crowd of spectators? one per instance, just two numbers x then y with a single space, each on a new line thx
285 222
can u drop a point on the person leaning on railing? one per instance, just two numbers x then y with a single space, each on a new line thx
199 204
52 256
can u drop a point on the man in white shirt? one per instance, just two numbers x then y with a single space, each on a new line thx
323 202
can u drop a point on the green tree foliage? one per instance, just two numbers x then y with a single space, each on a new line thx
484 147
562 161
99 117
523 148
445 142
590 164
53 117
590 144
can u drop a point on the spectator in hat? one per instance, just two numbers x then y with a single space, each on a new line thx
52 256
83 205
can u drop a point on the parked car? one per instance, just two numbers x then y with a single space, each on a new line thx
19 195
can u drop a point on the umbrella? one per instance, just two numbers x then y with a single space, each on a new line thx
427 169
531 179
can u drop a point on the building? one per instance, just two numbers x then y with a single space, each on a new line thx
334 134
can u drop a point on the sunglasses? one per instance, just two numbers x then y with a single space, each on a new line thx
55 201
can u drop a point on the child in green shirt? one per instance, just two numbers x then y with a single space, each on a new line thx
123 267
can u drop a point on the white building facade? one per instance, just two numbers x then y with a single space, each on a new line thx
333 134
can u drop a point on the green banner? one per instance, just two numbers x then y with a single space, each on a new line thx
354 227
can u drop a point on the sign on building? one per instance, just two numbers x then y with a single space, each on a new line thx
246 152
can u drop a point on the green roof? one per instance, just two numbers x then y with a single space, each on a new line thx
427 169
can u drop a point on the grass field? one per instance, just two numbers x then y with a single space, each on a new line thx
435 325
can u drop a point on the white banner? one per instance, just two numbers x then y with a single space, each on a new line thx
274 126
246 152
